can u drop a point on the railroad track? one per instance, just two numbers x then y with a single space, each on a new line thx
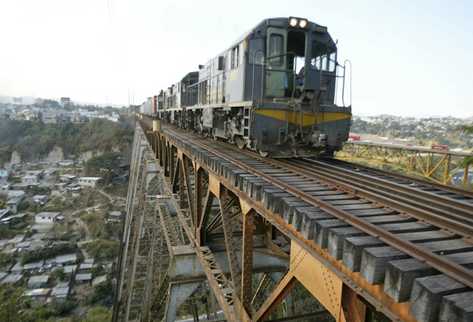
434 187
367 219
440 207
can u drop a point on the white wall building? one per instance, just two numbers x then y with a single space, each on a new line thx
46 217
30 180
89 181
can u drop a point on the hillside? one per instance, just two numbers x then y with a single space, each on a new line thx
33 140
418 131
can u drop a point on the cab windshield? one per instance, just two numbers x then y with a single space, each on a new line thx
323 57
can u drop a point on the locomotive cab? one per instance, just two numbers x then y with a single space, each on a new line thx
296 114
301 63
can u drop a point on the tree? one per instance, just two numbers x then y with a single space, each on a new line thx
102 293
468 129
102 249
12 304
59 274
6 259
98 314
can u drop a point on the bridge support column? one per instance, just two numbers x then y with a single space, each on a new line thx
338 299
179 292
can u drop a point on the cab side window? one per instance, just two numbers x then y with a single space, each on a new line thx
235 57
275 52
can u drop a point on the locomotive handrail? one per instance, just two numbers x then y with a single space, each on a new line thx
253 73
344 76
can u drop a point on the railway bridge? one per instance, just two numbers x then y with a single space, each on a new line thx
214 233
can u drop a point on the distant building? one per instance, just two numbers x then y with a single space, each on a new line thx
12 220
67 259
65 163
40 199
38 173
49 172
4 174
114 216
38 281
89 181
99 280
70 269
33 266
17 268
84 278
67 177
49 117
4 213
38 294
17 239
15 193
86 266
65 101
12 278
46 217
30 180
13 203
61 291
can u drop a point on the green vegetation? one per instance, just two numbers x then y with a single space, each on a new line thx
468 129
16 308
95 224
98 314
12 305
104 166
59 275
48 252
102 249
8 233
33 139
102 294
6 259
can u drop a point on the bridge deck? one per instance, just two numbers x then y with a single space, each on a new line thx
356 241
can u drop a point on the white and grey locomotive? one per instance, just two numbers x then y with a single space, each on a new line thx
272 91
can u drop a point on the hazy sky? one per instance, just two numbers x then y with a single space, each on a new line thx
409 57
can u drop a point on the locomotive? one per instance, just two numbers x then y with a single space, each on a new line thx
273 91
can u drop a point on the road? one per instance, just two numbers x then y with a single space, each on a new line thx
110 198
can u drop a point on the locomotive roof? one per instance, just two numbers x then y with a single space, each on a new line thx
279 22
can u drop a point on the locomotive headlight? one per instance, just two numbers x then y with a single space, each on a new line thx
293 22
302 23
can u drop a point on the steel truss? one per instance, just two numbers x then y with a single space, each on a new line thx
435 165
214 214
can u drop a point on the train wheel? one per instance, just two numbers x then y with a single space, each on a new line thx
240 142
264 154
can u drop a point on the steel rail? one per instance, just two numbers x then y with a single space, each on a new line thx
421 204
457 221
455 271
465 230
425 190
422 183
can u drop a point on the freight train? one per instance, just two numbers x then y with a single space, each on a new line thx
273 91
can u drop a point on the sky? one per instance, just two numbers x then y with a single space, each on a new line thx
410 58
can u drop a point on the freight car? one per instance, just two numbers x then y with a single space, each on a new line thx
273 91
